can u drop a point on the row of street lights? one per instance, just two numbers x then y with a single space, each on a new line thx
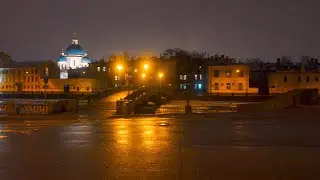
143 75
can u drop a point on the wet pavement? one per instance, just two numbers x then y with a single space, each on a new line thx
269 145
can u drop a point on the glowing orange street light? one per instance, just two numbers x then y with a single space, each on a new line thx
119 67
145 66
237 70
143 75
160 76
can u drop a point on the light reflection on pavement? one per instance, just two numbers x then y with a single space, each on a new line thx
269 145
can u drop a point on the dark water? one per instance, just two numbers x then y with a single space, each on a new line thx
281 145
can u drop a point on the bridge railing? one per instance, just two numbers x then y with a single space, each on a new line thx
196 110
89 99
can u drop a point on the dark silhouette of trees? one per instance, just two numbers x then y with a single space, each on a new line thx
5 59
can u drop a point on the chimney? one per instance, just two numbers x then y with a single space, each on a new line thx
302 67
278 64
316 64
261 66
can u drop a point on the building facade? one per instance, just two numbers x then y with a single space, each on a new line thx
26 77
229 79
284 81
73 85
74 57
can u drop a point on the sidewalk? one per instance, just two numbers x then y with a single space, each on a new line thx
63 116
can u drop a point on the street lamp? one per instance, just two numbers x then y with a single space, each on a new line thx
143 75
160 76
119 67
145 66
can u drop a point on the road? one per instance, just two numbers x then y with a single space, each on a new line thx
270 145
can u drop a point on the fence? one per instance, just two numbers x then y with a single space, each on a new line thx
33 109
196 110
28 107
3 108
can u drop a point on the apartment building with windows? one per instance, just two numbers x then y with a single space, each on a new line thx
229 79
26 77
284 81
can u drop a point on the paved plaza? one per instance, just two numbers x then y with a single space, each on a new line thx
269 145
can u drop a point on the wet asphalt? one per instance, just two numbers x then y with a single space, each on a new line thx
269 145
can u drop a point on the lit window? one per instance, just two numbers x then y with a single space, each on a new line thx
196 77
228 86
216 86
228 73
199 86
98 69
200 77
240 86
104 69
195 86
46 71
183 77
240 73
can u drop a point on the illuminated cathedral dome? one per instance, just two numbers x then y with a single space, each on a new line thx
73 58
62 58
75 50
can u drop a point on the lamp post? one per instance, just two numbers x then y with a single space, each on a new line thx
119 68
160 77
143 76
238 71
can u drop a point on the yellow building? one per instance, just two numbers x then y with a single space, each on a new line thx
29 77
229 79
281 82
74 85
26 77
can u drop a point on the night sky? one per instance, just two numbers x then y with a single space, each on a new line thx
39 29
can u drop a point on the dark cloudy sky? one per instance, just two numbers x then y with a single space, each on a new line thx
39 29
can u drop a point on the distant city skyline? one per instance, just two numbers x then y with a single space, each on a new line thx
267 29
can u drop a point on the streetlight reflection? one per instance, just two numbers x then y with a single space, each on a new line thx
122 134
2 136
77 136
